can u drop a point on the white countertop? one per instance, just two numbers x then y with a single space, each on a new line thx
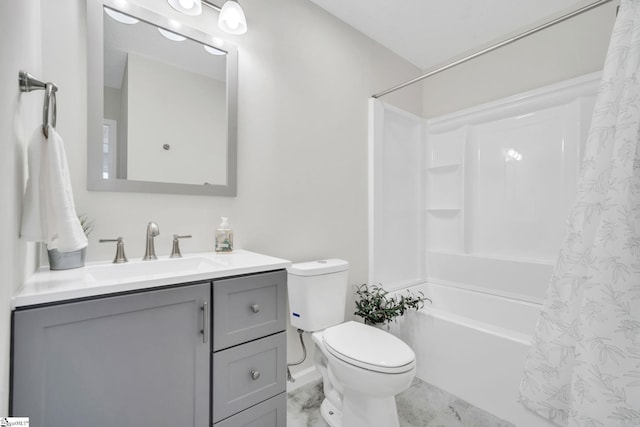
104 277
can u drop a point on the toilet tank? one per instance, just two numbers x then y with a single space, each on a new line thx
317 293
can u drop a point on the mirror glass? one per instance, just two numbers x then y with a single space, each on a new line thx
162 118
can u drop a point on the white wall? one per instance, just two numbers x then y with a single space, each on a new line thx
20 115
112 101
123 127
569 49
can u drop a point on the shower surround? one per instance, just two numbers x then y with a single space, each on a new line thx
469 208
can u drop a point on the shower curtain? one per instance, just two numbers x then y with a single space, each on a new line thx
583 368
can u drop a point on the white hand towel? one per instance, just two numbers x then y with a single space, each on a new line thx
51 199
31 227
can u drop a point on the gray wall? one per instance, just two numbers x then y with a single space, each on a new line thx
302 137
305 78
569 49
20 115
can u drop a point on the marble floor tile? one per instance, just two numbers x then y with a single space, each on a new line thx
422 405
303 406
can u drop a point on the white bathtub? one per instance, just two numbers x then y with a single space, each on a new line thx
473 345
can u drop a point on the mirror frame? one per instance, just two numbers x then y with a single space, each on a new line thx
95 104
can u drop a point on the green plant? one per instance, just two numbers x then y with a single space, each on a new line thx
86 224
375 305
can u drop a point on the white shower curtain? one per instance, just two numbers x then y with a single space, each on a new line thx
584 366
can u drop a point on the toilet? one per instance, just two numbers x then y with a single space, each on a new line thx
362 367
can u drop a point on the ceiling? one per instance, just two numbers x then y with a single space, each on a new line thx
428 33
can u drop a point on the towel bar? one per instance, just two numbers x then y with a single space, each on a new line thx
29 83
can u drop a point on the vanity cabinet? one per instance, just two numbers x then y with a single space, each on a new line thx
198 354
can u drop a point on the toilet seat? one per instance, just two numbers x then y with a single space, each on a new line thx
369 348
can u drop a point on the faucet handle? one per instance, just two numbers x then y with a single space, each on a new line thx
175 251
120 256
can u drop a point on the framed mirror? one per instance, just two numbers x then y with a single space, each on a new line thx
162 104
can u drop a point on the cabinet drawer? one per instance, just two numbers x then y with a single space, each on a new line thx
248 374
270 413
247 308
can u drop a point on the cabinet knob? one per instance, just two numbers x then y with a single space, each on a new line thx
255 374
255 308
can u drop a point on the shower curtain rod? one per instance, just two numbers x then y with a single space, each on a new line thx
491 48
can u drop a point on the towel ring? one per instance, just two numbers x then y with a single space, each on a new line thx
27 84
49 98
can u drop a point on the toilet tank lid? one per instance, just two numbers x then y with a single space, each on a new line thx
315 268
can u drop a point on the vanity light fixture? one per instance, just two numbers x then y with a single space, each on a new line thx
188 7
216 47
171 36
213 50
231 19
121 17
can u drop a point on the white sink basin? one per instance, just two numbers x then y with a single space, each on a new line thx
153 268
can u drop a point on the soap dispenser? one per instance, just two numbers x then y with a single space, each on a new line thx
224 237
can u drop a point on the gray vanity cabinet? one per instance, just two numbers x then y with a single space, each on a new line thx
140 359
189 355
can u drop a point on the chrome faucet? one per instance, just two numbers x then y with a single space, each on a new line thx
175 251
120 256
152 231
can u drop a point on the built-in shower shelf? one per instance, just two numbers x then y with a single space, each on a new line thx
449 167
443 187
443 210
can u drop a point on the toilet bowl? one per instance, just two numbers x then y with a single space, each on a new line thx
362 367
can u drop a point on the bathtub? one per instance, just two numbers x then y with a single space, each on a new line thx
472 345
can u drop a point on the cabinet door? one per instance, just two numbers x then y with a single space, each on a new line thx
132 360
